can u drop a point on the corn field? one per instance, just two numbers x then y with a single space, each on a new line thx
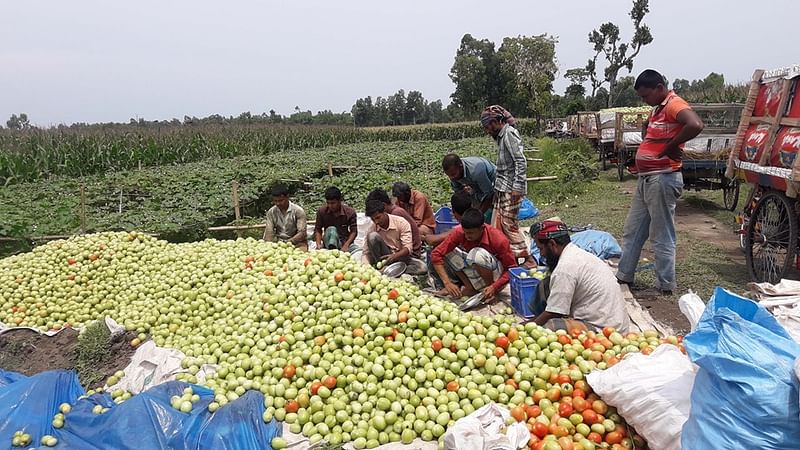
36 154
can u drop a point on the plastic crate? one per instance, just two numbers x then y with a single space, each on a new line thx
523 292
444 220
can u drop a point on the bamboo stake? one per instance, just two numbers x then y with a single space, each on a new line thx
237 213
548 178
535 159
83 209
330 169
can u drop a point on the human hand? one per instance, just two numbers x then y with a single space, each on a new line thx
346 248
488 294
388 259
671 151
452 289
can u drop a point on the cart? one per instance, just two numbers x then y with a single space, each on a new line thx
628 129
767 141
704 174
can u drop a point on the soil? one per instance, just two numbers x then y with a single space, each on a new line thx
28 352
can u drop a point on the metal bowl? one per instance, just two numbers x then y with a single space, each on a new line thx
395 269
471 302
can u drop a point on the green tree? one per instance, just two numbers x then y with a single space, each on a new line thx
20 122
619 55
397 108
477 76
363 112
529 65
416 108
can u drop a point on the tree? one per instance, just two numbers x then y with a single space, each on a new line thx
618 54
529 65
624 94
381 116
416 108
363 112
20 122
477 76
397 107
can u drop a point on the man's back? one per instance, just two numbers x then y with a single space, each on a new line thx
585 288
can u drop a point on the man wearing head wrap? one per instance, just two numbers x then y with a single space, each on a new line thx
510 184
583 290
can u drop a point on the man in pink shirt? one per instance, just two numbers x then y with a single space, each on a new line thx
389 239
486 257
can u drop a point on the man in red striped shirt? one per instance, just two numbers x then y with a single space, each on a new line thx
660 183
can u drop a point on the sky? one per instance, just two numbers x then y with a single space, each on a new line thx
102 61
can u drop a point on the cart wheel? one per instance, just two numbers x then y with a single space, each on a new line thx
622 159
771 238
730 193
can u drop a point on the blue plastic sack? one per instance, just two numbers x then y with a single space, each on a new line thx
599 243
146 420
527 210
745 394
29 403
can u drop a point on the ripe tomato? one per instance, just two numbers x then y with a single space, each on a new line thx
533 411
499 352
453 347
402 317
395 332
575 332
563 339
501 341
513 334
358 332
329 382
608 330
436 345
579 404
589 416
452 386
393 294
554 394
563 378
307 262
291 406
315 387
565 409
338 276
518 413
612 361
578 392
268 273
289 371
71 261
613 438
540 429
595 437
282 339
600 407
566 443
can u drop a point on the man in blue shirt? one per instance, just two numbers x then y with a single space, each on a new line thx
474 176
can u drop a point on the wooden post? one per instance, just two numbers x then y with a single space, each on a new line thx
237 213
330 169
83 209
535 159
547 178
120 200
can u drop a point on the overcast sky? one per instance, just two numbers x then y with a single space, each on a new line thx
90 61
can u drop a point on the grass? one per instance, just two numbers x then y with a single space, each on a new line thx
94 348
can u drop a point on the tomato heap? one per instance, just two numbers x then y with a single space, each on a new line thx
341 353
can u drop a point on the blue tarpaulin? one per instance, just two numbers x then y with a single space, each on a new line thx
146 420
745 394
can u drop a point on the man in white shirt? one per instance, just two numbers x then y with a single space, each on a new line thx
583 288
286 221
389 239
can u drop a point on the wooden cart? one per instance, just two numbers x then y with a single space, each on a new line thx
627 137
767 141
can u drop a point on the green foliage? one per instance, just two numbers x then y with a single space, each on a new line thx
711 89
94 346
572 161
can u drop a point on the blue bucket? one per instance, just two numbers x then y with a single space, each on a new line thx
444 220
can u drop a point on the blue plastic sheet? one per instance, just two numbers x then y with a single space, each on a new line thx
145 421
745 394
599 243
527 210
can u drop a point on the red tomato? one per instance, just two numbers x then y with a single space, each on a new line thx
307 262
613 438
540 429
589 416
608 330
513 334
579 404
393 294
595 437
554 394
436 345
329 382
564 409
533 411
600 407
71 261
563 339
499 352
566 443
518 413
512 383
452 386
563 378
501 341
315 387
338 276
289 371
291 406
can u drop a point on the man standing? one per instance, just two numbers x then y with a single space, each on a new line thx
660 183
389 239
285 220
511 182
416 204
583 292
473 176
482 262
391 208
336 224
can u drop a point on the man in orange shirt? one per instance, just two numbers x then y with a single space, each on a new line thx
660 183
416 204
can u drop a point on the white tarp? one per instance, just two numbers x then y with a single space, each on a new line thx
485 429
783 301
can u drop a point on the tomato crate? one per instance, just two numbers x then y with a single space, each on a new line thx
523 292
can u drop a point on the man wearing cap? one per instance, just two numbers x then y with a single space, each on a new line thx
511 181
485 259
583 290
